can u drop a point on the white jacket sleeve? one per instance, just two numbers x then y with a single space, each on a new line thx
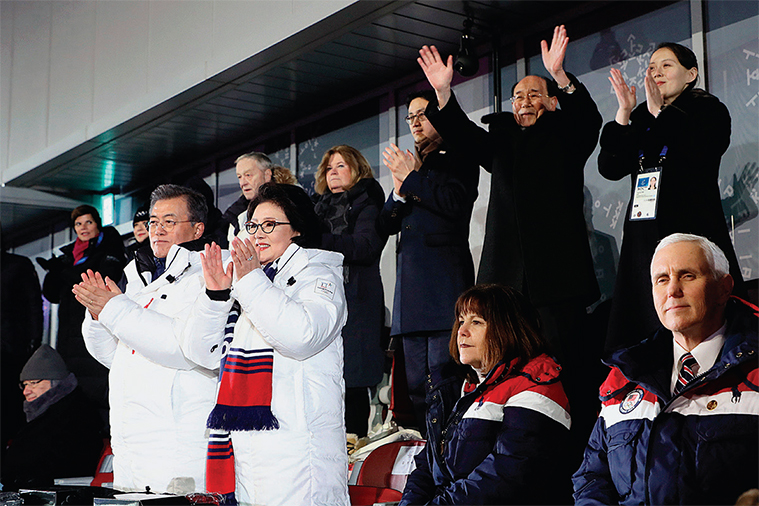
100 343
154 335
299 325
204 332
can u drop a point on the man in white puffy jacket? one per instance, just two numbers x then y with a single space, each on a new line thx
159 398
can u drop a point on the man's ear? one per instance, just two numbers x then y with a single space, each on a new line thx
268 175
553 102
199 229
725 288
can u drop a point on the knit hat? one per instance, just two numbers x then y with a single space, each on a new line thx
142 214
45 364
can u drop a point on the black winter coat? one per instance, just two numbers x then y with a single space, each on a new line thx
535 236
62 442
434 263
696 130
361 243
108 258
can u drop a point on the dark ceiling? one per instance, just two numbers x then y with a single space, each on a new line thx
360 51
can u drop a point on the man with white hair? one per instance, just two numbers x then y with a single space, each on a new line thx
679 421
253 169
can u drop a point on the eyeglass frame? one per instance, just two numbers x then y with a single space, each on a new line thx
163 223
421 116
29 383
529 96
251 225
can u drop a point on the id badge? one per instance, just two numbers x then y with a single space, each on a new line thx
646 196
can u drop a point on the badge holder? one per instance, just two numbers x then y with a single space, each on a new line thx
645 199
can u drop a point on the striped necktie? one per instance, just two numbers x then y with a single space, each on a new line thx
687 371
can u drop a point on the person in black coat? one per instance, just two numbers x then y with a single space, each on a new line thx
431 206
61 438
536 239
678 136
349 205
102 250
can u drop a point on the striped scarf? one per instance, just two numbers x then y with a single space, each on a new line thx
243 401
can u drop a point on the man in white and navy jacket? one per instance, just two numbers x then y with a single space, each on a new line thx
679 421
159 398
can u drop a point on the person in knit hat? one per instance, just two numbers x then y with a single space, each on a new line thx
61 438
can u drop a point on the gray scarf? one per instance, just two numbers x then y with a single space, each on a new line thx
39 405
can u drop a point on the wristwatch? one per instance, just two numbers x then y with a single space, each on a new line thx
569 88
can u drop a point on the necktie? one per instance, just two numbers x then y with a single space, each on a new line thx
687 371
270 270
160 267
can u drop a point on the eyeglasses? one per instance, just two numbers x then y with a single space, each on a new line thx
29 383
167 225
411 118
267 227
519 99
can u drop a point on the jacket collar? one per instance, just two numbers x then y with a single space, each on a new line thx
650 362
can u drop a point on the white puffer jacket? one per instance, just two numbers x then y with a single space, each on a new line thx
301 315
159 399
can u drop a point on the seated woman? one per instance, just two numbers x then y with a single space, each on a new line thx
500 442
279 406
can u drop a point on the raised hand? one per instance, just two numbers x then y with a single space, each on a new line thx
213 268
553 57
654 100
625 96
439 73
244 257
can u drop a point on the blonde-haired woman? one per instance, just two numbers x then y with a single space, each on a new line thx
350 202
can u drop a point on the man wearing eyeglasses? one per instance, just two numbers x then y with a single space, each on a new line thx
535 236
159 398
430 206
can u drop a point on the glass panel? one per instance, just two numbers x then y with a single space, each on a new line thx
732 49
362 135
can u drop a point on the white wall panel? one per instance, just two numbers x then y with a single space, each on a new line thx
73 69
180 44
72 53
29 80
121 56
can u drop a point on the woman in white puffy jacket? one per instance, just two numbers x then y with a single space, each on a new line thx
278 434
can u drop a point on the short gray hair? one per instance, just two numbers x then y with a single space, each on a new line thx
715 257
264 162
197 208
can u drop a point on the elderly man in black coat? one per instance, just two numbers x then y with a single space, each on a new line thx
61 438
535 236
431 206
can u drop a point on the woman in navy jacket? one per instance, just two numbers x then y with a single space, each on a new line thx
501 442
349 204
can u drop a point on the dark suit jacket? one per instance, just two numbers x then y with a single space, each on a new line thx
434 264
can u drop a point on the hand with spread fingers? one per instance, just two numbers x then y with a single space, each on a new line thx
553 57
94 292
215 276
244 257
625 96
439 73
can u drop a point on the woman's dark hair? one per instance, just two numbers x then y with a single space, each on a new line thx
85 209
513 325
685 57
298 208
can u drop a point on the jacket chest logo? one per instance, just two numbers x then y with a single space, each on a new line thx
631 401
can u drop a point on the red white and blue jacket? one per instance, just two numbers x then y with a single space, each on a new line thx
496 444
698 447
